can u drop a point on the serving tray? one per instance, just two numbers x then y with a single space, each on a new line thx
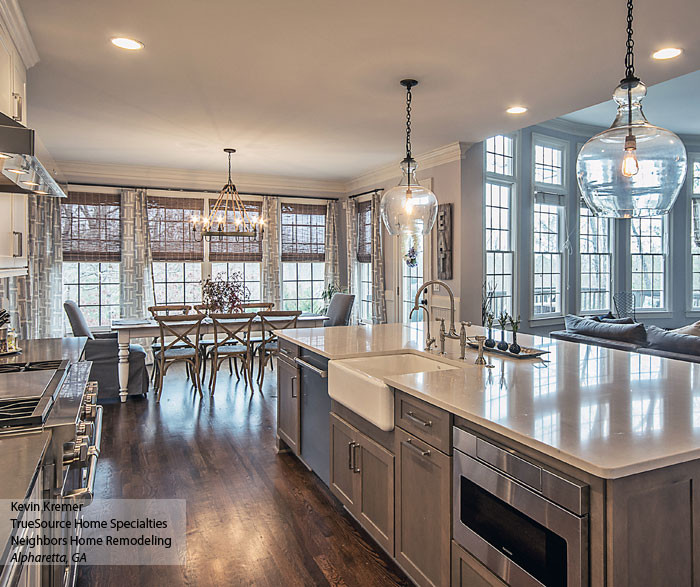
7 353
525 352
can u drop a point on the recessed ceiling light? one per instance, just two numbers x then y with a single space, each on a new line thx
126 43
516 110
17 171
667 53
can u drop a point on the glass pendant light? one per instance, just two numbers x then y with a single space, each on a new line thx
408 208
634 168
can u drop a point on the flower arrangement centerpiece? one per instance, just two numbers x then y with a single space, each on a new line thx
489 342
225 295
503 321
515 326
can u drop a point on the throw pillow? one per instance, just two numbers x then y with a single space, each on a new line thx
692 329
633 333
668 340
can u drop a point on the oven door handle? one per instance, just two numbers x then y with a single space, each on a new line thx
85 493
97 427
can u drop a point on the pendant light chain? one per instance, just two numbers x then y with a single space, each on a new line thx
408 122
629 57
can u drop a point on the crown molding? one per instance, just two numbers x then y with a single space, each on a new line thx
445 154
571 127
12 16
109 174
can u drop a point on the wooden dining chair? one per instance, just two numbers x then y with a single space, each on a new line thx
257 306
268 346
231 342
179 342
164 310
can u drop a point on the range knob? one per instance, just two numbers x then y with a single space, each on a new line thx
88 412
85 428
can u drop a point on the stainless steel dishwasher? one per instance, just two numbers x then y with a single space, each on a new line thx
525 523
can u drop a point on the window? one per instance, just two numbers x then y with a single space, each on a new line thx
303 236
91 232
177 283
549 166
500 155
648 250
95 288
172 237
250 272
365 292
595 249
547 282
499 253
695 238
412 278
177 255
498 218
364 259
548 227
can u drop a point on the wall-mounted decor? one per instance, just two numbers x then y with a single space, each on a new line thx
444 241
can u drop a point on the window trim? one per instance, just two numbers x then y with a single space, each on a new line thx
513 181
563 190
667 308
690 312
579 254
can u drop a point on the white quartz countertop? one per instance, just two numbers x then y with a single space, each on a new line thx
607 412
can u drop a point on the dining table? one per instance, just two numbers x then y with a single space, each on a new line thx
128 329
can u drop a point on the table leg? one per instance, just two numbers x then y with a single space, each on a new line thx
123 341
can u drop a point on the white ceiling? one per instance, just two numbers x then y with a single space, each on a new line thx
672 104
309 88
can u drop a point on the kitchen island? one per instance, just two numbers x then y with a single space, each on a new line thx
621 430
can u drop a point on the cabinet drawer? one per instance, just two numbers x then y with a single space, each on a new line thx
288 350
427 422
469 572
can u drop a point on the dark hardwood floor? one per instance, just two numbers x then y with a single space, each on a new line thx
254 517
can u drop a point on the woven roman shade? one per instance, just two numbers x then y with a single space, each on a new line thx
91 227
235 249
303 232
172 237
364 232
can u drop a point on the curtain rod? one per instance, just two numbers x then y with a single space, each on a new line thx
375 191
194 190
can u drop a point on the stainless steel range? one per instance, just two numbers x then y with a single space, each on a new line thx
54 398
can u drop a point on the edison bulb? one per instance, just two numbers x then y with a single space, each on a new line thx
630 165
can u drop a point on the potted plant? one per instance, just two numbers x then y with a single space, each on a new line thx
502 321
489 342
515 326
225 296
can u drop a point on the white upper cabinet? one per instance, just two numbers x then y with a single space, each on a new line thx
6 74
13 80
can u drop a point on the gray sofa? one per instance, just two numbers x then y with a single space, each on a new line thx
630 336
103 351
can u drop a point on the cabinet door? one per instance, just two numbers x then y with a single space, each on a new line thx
469 572
19 91
6 73
344 482
288 404
19 229
375 466
423 508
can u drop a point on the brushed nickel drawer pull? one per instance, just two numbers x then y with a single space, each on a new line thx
356 469
423 453
350 451
320 372
294 378
412 416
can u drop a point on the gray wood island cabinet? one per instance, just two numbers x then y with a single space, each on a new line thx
606 463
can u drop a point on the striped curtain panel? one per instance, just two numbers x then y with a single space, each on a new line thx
136 289
331 271
378 287
271 252
350 208
36 299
